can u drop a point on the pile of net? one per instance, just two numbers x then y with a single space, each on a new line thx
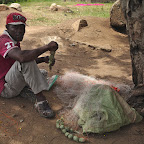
92 105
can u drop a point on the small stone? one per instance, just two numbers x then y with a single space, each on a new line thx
72 44
14 115
98 30
21 120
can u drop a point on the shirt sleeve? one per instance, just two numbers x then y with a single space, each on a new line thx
6 44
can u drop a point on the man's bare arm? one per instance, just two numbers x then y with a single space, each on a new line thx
42 59
29 55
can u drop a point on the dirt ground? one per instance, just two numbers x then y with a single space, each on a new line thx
96 50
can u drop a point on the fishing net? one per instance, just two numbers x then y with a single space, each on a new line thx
94 105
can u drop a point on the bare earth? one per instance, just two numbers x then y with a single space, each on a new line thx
87 52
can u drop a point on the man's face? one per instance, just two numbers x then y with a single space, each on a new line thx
16 31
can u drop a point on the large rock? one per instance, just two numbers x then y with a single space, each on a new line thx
16 6
3 7
79 24
55 7
117 19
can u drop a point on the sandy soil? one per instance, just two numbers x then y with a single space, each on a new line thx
87 52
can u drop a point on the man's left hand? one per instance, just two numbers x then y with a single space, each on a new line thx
46 60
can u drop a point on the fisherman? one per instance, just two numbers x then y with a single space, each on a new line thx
18 68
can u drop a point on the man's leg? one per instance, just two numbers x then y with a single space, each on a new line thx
14 82
22 74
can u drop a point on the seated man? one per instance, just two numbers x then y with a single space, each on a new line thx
18 68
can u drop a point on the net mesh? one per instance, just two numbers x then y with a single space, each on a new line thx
86 98
72 85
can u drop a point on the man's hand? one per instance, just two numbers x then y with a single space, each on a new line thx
46 60
52 46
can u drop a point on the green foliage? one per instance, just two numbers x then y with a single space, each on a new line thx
6 1
12 1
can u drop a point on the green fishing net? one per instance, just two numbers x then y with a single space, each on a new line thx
92 105
104 110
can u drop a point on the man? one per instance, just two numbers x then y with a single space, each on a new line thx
18 67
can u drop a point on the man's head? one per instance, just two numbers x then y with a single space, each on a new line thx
15 25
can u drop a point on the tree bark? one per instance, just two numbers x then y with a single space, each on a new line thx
134 14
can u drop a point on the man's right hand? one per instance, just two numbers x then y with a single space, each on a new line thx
52 46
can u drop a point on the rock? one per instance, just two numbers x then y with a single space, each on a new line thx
16 6
21 120
79 24
53 4
53 7
106 48
73 44
3 7
116 16
14 115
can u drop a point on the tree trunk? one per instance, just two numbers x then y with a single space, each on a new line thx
134 14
